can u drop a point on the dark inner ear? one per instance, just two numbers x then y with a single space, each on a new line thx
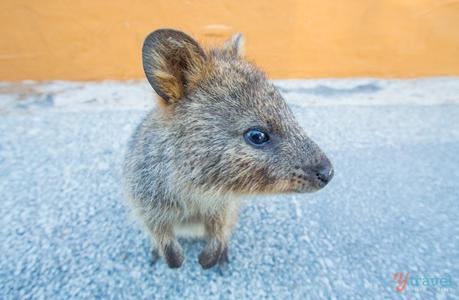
171 61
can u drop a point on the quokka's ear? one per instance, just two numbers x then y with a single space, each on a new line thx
235 45
172 62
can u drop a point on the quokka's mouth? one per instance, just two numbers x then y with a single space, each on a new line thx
309 187
311 179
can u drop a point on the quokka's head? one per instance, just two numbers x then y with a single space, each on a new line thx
229 128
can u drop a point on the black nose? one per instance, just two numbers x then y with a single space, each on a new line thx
322 172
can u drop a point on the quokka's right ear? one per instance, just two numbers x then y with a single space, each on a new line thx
235 45
172 62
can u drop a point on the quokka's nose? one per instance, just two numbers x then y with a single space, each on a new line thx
323 172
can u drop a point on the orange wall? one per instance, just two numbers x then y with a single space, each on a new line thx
95 39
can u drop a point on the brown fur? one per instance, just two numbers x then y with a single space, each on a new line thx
188 162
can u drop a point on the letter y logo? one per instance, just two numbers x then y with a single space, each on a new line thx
402 281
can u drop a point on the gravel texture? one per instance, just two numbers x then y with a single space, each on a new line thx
393 205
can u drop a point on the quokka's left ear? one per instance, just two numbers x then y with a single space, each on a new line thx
235 45
173 62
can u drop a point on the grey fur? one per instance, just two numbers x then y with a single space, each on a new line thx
188 163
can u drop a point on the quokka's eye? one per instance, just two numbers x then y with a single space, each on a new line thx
256 137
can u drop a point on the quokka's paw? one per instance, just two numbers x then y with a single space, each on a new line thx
173 255
210 255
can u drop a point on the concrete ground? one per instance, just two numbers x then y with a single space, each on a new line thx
393 205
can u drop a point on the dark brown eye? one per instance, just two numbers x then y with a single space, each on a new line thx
256 137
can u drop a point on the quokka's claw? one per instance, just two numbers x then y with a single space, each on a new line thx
154 257
223 261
